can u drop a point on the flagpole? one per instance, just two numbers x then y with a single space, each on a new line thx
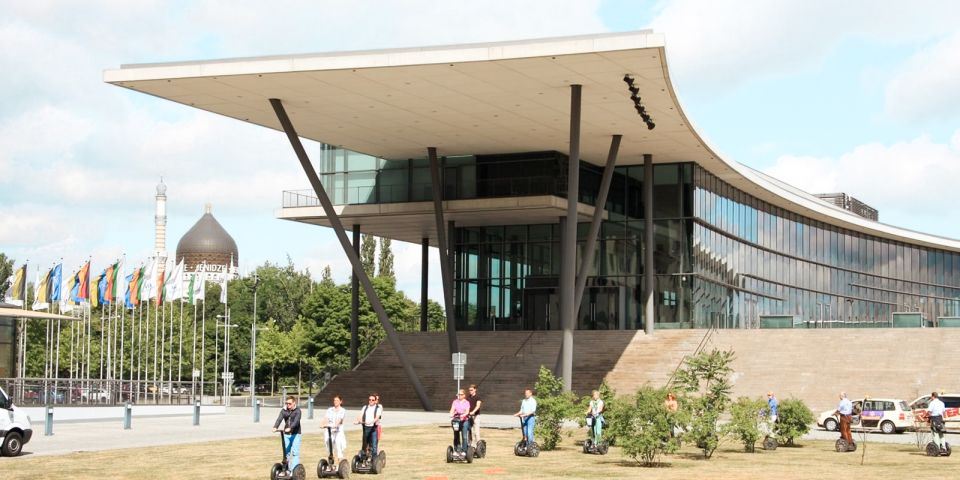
193 356
170 353
203 342
180 346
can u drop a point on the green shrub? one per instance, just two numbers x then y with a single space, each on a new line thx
793 421
705 379
746 416
644 426
553 407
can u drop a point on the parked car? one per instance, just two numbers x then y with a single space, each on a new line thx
97 395
15 429
887 415
951 415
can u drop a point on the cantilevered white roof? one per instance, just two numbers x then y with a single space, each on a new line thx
478 99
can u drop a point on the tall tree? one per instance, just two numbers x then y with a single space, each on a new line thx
385 265
368 254
6 269
327 278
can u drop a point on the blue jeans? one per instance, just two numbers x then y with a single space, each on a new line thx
528 423
291 450
370 438
464 435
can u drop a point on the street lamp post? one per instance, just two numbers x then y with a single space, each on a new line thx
253 346
227 376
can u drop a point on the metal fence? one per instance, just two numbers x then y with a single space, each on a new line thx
78 392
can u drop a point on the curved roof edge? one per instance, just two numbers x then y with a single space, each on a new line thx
784 195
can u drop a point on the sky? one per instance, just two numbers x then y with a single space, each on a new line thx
860 96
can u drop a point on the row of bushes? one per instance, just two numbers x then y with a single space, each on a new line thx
645 430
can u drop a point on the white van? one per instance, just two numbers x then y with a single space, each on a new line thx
15 428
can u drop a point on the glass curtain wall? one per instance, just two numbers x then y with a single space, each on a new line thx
754 259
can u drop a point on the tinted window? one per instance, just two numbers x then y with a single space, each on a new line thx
889 406
904 406
921 403
951 402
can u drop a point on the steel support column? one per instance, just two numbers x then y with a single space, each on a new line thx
355 305
424 281
568 252
349 251
442 245
648 245
589 249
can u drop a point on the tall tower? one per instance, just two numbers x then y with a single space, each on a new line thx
160 224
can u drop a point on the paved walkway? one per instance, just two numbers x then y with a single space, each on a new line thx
237 423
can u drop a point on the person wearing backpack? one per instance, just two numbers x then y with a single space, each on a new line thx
370 419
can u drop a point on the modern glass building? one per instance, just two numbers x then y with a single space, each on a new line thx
730 246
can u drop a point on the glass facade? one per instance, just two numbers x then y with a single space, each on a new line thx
721 256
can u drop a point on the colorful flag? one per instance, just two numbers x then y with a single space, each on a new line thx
148 288
106 290
83 280
223 285
41 291
99 286
119 282
158 288
17 292
127 300
70 298
174 284
56 283
197 289
134 281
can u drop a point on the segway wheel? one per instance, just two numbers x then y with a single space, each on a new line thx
946 450
481 450
276 471
841 445
449 454
355 466
299 473
380 462
587 445
343 470
470 453
933 450
602 448
519 449
852 447
533 450
322 468
770 443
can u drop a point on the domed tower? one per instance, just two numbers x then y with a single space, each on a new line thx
207 243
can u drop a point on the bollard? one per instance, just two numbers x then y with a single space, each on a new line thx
48 424
127 414
310 408
196 413
256 411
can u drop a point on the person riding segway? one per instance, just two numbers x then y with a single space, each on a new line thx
290 466
334 465
527 447
845 411
460 424
479 446
938 446
594 442
369 460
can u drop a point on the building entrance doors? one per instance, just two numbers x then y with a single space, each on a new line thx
602 308
541 309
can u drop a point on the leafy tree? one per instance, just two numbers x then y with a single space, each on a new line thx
644 426
273 350
6 269
436 317
368 254
327 278
706 379
554 406
746 415
385 264
793 421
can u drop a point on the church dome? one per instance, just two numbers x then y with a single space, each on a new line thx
207 242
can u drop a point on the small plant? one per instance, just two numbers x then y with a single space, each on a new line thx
705 378
746 415
793 421
553 407
645 426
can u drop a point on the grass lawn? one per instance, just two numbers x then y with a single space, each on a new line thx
419 452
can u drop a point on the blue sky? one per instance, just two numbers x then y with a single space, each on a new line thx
857 96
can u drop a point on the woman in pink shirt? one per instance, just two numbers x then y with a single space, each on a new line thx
460 409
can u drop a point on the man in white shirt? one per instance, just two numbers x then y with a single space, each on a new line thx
369 418
935 417
334 420
528 415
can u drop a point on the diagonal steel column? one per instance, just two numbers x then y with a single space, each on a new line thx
589 249
568 252
648 267
348 249
445 275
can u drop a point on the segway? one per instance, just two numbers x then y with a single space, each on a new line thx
594 445
769 441
363 462
933 449
326 468
454 453
842 446
523 448
280 471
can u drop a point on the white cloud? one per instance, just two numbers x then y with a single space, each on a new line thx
712 45
927 86
910 183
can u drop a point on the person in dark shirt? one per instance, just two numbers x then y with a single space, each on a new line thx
290 416
473 396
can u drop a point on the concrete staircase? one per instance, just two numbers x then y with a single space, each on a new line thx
813 365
